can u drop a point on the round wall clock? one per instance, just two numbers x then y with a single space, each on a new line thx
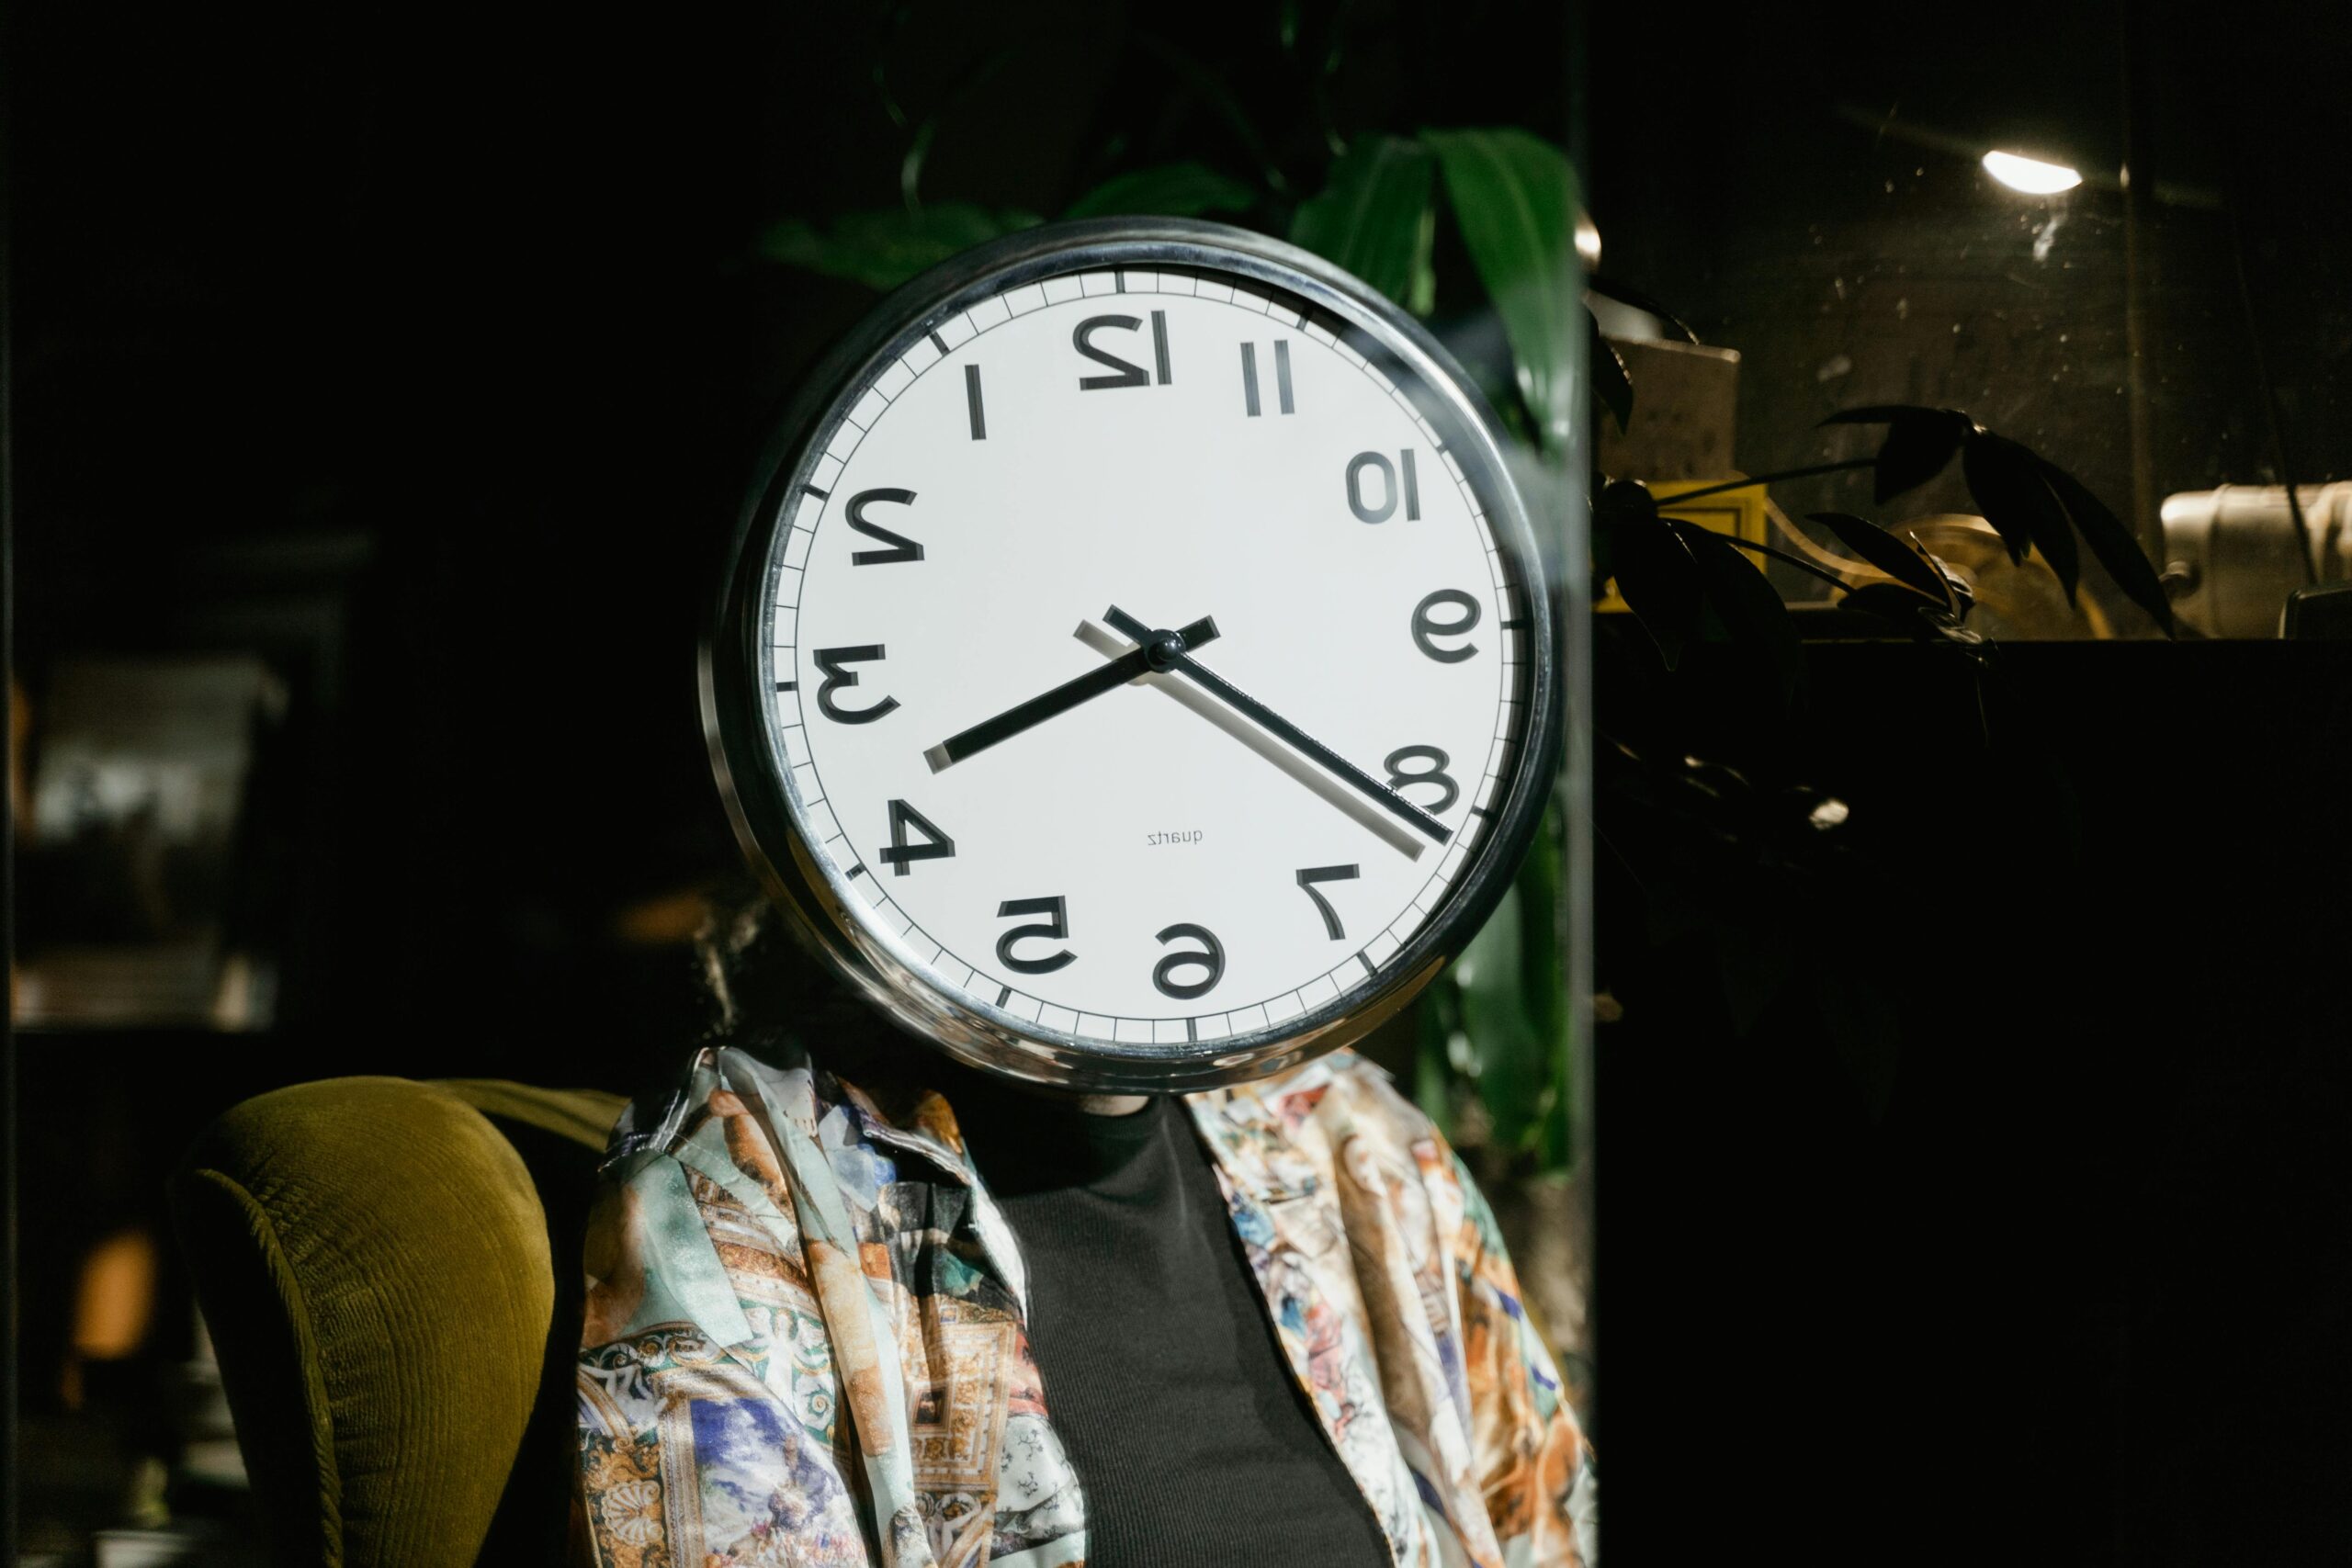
1133 669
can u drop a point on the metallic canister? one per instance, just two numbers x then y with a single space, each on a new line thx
2232 553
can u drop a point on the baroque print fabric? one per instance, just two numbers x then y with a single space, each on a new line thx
805 1344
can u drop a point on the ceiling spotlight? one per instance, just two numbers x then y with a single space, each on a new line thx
2031 176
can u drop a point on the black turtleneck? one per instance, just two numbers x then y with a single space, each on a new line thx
1194 1444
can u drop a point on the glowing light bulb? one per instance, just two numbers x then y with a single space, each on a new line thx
2031 176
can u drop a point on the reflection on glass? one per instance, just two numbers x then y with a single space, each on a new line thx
2031 176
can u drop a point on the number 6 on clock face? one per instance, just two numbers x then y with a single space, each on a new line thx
1139 670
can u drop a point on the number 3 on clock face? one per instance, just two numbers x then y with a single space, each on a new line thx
1124 573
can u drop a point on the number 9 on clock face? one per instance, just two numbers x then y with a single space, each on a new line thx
1133 670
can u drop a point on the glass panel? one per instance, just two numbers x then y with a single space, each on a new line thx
1965 1081
384 399
2068 222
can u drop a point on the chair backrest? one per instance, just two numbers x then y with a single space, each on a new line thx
389 1269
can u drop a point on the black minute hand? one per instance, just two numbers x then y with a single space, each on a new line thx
1159 650
1234 696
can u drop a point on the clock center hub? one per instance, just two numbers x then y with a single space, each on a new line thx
1164 649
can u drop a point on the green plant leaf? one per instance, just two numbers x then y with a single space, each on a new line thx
1376 217
2112 543
1167 190
1895 554
1543 971
1899 607
1660 580
884 249
967 88
1604 553
1621 501
1513 1054
1752 612
1652 569
1436 1018
1514 198
2006 479
1919 442
1212 91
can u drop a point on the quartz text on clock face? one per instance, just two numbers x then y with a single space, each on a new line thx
1142 659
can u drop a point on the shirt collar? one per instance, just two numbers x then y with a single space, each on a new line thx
1254 1127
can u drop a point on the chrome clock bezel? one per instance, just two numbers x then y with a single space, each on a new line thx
754 777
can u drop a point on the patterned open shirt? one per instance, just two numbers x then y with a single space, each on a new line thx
805 1339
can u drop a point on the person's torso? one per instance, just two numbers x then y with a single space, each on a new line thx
1186 1426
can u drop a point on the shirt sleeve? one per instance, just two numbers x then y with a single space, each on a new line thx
1534 1464
707 1422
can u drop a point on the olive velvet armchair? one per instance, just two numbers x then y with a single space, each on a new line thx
389 1272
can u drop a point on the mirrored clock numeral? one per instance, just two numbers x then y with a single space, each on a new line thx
1051 930
902 854
901 548
1312 874
1378 462
1282 377
1081 338
1434 773
1210 960
830 660
1427 628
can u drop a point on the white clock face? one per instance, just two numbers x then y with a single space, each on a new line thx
1182 847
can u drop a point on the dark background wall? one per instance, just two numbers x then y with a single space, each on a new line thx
2047 1257
447 327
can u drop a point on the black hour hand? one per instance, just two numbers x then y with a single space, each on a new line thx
1159 650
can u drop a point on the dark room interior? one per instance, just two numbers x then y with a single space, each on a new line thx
1954 1163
